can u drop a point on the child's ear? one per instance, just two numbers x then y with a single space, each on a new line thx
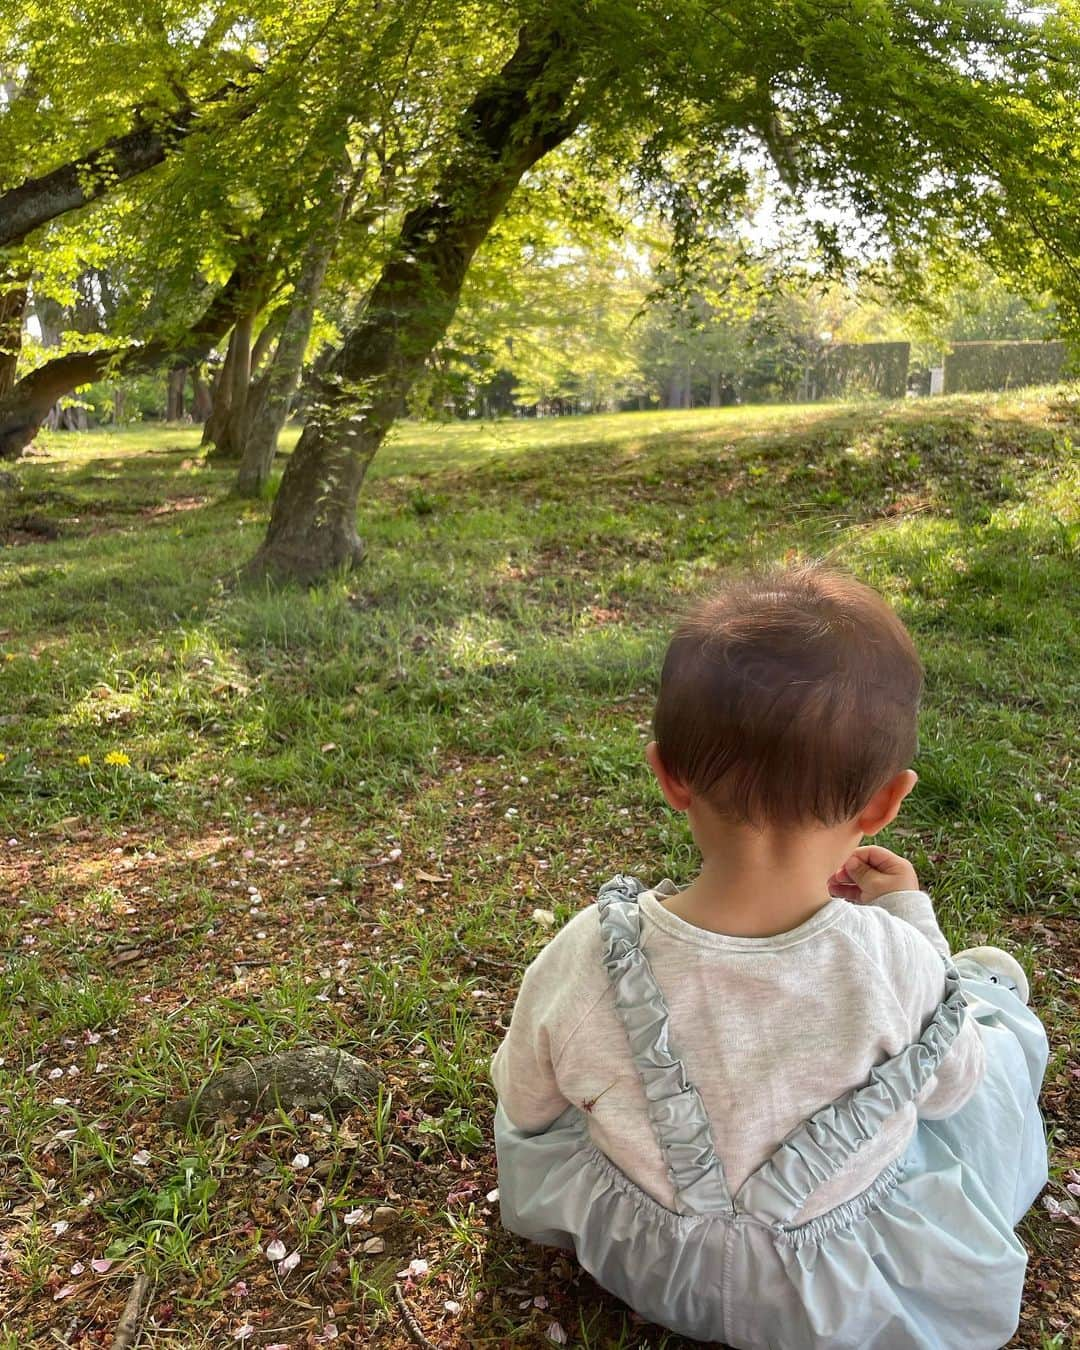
677 796
883 806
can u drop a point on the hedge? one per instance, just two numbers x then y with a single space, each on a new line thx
971 367
846 368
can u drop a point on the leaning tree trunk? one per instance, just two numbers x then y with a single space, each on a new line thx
272 399
29 402
516 117
12 310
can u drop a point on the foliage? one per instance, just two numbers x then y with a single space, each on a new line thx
972 366
878 368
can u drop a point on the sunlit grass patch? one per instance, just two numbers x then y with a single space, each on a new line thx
331 816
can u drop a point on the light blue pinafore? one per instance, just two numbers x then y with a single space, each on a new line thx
926 1257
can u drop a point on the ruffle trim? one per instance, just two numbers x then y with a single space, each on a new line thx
815 1151
676 1111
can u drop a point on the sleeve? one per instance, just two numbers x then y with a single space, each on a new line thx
921 986
917 909
523 1068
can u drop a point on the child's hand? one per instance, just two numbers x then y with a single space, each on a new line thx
870 873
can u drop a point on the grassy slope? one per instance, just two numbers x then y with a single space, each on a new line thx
478 698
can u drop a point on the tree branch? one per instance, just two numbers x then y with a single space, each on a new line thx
38 200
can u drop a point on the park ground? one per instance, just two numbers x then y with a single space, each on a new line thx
235 821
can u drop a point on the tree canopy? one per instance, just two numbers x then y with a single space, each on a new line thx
176 173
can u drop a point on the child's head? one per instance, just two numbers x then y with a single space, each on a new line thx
790 699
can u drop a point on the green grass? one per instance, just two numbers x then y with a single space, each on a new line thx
477 697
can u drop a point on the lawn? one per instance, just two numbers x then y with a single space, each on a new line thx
239 821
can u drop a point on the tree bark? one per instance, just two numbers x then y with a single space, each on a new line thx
271 400
201 402
516 117
25 409
219 411
12 309
38 200
229 440
260 348
174 405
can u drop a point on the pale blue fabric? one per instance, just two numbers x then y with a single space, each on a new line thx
926 1257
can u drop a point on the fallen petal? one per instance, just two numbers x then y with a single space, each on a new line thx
100 1265
290 1263
275 1251
63 1292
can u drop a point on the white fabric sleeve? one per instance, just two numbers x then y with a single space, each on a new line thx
523 1070
921 986
917 909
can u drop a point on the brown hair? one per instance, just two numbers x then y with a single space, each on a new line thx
788 697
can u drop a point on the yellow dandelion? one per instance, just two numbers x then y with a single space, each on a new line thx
83 761
117 757
3 757
9 656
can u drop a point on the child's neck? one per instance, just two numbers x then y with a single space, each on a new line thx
759 883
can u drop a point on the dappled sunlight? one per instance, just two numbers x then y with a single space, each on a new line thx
246 817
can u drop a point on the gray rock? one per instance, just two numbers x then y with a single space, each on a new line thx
315 1077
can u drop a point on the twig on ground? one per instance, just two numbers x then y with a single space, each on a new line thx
411 1325
475 956
127 1329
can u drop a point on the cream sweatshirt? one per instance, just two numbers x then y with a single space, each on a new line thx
769 1029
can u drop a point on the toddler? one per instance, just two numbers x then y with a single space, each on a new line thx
770 1109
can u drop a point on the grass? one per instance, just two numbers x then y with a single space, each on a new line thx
333 813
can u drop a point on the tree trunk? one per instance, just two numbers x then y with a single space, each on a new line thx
26 407
12 310
268 334
201 402
272 399
714 389
219 411
174 395
229 441
516 117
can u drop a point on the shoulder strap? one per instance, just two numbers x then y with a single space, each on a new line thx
676 1111
818 1148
